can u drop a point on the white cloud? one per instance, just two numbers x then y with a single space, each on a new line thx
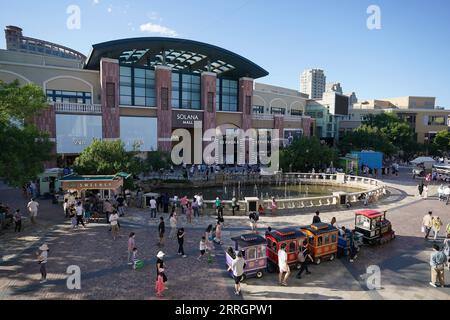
156 28
110 9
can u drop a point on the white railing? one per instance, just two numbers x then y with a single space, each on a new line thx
262 116
65 107
373 188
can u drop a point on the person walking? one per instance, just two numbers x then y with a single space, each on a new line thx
353 247
209 236
189 212
195 207
114 221
200 203
420 188
73 215
447 195
160 267
252 218
153 209
173 226
108 209
446 249
218 204
437 263
316 218
274 206
131 246
121 205
161 231
183 202
42 258
218 238
180 238
203 248
304 257
283 266
427 224
17 221
33 207
66 208
237 267
234 205
437 224
80 211
425 192
220 217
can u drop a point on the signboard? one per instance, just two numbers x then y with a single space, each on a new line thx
92 185
182 119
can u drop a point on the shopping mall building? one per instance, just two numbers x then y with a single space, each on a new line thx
141 90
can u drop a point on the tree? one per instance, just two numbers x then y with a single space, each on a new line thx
23 148
107 158
442 141
157 160
305 154
367 138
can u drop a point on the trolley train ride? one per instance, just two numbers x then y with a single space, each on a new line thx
324 241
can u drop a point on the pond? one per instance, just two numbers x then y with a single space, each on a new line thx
265 191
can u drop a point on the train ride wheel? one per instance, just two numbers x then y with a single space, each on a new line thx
259 274
332 257
244 277
298 266
318 261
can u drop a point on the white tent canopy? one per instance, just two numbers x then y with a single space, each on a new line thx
423 160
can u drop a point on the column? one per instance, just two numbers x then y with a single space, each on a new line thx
246 101
163 84
110 81
208 100
306 125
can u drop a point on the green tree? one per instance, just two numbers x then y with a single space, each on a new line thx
157 160
305 154
442 142
23 148
367 138
107 158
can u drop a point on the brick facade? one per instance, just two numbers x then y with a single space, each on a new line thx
163 83
109 79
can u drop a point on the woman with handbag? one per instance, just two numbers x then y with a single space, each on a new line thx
304 257
160 268
42 258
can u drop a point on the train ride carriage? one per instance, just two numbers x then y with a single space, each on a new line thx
253 247
323 241
374 226
344 243
293 238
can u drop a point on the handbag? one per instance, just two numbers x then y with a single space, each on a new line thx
301 257
423 229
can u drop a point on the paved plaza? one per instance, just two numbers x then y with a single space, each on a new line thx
405 272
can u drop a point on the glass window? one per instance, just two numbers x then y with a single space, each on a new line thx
227 95
292 247
333 238
251 254
186 94
319 241
261 252
326 239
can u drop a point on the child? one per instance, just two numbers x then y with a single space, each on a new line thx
131 247
189 212
160 286
218 238
202 248
161 231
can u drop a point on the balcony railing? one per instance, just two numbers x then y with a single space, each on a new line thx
262 116
65 107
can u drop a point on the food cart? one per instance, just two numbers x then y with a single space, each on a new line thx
253 247
49 181
323 241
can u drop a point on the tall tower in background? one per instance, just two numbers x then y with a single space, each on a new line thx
313 82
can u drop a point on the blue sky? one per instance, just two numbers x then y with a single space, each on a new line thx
410 55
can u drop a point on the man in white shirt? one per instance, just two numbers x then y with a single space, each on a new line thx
33 209
237 267
447 194
153 208
114 220
80 212
283 265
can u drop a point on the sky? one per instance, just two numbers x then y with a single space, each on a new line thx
408 55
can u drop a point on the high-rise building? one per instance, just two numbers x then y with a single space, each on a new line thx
334 87
313 82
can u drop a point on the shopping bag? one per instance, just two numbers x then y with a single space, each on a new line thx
139 265
423 229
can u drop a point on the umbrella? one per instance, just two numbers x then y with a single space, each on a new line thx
423 160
